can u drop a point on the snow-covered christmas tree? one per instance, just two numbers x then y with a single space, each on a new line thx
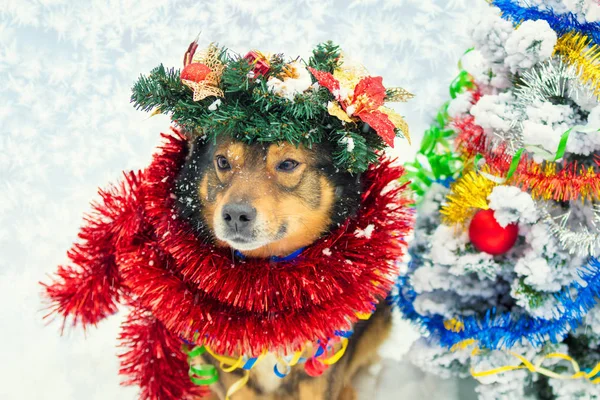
504 277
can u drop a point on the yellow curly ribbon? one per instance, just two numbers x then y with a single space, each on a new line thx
295 359
336 357
363 315
530 366
239 384
537 368
463 344
227 363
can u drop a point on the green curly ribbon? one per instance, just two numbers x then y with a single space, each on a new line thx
463 81
436 161
560 152
204 374
514 163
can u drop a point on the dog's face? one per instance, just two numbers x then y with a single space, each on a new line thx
264 199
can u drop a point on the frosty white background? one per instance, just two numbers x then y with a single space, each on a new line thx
66 127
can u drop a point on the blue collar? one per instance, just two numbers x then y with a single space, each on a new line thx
289 257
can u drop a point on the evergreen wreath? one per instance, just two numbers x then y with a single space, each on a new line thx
262 98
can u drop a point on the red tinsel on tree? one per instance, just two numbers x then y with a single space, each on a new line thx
564 181
137 251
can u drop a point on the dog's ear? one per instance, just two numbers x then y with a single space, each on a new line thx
348 191
198 162
348 187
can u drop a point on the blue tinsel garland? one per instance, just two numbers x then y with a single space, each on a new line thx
560 23
494 331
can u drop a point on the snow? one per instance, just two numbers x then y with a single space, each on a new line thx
530 43
586 140
67 127
545 124
494 112
460 105
349 142
512 205
366 233
290 86
214 105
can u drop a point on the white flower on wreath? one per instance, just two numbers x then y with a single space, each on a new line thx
295 80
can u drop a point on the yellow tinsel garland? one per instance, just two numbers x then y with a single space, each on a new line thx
579 51
468 194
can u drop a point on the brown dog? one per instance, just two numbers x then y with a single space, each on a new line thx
270 200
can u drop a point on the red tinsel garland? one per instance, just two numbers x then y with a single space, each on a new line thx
136 250
154 360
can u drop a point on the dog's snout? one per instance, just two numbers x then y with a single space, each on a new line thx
239 216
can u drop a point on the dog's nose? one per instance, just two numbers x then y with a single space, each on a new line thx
238 216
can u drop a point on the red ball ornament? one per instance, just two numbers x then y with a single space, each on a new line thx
195 72
314 367
489 236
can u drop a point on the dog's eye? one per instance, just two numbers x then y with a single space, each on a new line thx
288 165
222 163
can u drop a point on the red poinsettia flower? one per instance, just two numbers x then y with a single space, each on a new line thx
365 103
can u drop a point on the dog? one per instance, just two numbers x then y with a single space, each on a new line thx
271 199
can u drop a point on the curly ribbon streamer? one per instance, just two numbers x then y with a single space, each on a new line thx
364 316
207 374
435 160
463 344
237 385
560 152
336 357
288 368
537 368
463 81
514 163
288 365
320 351
530 366
204 374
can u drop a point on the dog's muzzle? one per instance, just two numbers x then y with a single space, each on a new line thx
239 219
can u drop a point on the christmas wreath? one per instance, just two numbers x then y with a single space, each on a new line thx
136 250
262 98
